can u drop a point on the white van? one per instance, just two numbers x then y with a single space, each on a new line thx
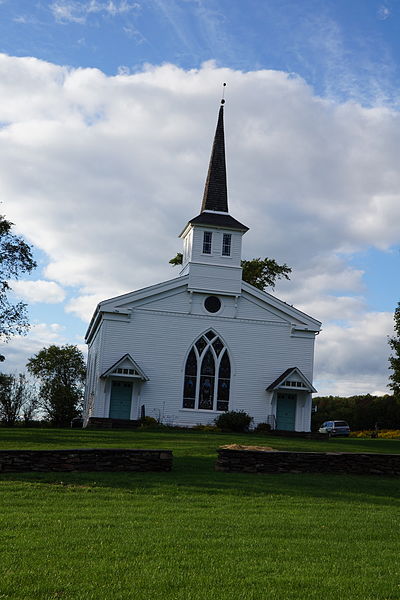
335 428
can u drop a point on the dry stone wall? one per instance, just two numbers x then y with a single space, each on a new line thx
110 459
107 423
256 461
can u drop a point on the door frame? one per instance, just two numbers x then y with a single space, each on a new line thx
134 396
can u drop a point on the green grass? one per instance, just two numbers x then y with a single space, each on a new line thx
195 534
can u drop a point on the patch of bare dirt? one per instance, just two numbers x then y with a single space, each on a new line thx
241 447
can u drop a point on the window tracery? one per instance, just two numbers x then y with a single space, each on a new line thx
207 374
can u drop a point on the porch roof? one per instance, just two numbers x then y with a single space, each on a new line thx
280 381
130 365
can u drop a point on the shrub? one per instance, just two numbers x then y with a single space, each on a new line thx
388 434
361 434
206 428
238 421
148 422
263 428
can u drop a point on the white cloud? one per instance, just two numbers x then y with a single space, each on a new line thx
69 11
333 308
355 357
102 173
383 12
21 348
84 305
38 291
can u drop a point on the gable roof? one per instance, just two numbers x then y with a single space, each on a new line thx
121 305
127 358
310 323
300 376
117 303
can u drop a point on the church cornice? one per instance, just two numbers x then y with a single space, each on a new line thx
219 220
216 318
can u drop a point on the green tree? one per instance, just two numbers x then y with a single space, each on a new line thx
177 260
61 371
15 259
361 412
394 359
263 273
260 272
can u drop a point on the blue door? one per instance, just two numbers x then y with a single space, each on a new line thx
120 400
286 412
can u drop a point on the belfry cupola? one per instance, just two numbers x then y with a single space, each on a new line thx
213 239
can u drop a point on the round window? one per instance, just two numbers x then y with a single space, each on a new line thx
212 304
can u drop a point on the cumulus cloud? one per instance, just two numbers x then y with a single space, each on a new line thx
84 305
102 173
352 357
21 348
48 292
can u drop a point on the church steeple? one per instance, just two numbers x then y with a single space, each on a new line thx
214 207
212 241
215 191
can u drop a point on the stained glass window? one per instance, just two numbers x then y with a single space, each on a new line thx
189 392
201 344
225 367
218 346
224 377
207 375
206 393
208 365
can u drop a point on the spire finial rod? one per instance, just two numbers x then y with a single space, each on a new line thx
223 93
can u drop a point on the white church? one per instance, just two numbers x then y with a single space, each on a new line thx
206 342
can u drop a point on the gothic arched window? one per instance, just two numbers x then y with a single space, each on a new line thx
207 375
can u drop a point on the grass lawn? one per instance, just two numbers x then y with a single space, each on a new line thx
196 534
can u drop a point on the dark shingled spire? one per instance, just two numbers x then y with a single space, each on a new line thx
214 208
215 191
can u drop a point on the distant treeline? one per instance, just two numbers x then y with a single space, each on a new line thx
361 412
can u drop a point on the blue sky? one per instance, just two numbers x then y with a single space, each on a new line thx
343 53
347 48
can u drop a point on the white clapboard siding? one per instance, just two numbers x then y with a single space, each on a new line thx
177 302
159 341
227 305
93 372
252 308
215 278
216 248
